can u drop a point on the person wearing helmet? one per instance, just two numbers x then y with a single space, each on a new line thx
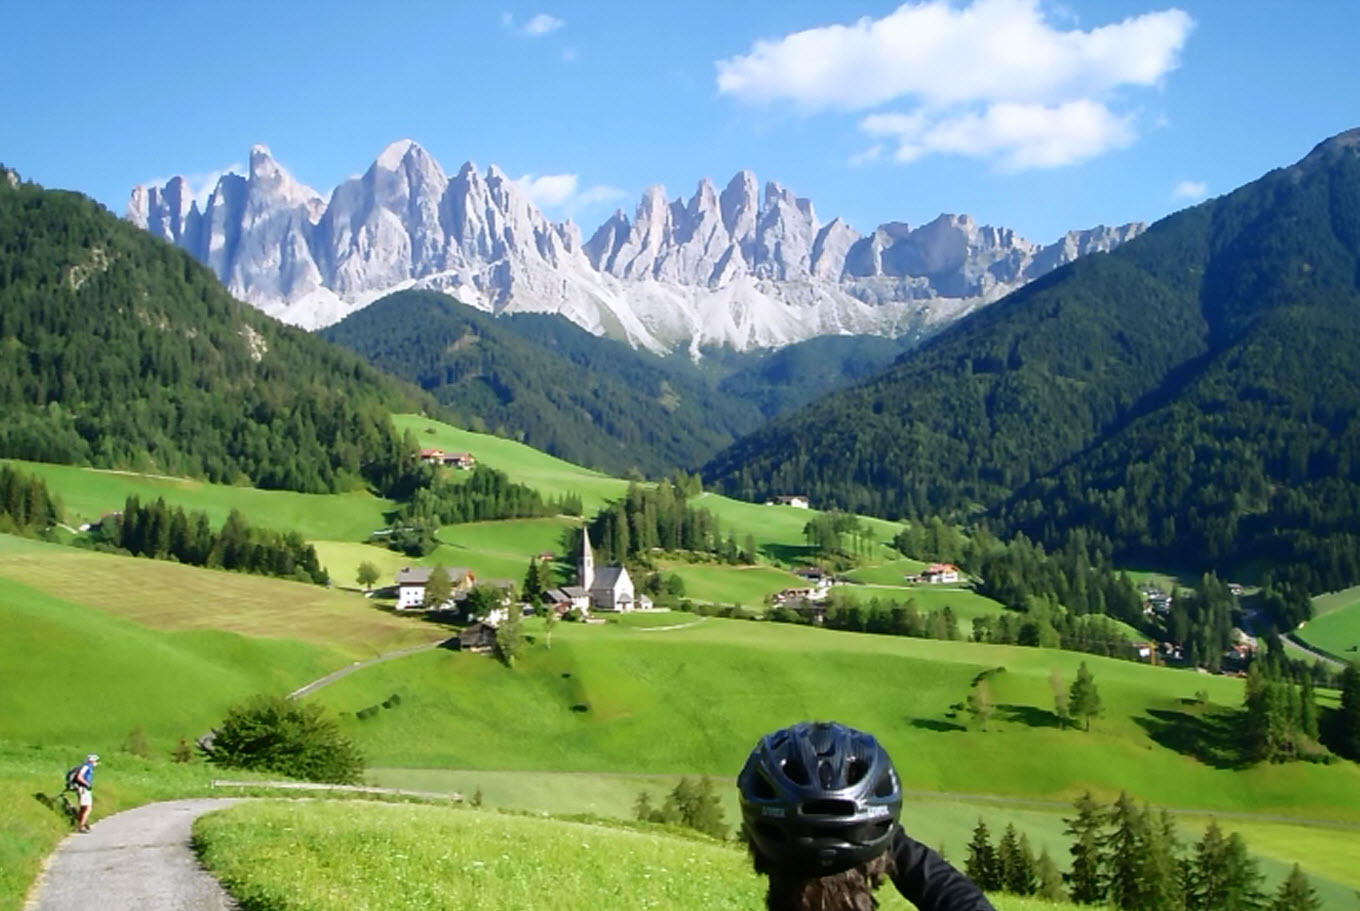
84 784
819 805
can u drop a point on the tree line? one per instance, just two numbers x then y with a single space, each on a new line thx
26 505
483 495
658 516
1130 857
169 533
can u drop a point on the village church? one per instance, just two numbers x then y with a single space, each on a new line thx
608 587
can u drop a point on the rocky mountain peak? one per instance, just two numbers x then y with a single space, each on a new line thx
731 267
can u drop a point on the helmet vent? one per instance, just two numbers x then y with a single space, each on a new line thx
761 788
886 787
828 807
855 770
797 772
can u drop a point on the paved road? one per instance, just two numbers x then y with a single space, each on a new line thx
139 860
1291 642
360 665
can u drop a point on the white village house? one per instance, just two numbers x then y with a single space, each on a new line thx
411 582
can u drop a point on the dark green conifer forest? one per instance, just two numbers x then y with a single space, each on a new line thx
1191 397
118 350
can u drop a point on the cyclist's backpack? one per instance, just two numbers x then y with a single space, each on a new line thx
71 777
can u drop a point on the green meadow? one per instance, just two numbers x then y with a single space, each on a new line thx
964 602
88 493
609 710
551 476
1335 626
90 678
168 596
355 857
619 699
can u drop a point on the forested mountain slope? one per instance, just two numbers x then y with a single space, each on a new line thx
1193 394
119 350
542 379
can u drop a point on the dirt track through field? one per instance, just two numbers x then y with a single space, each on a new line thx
139 860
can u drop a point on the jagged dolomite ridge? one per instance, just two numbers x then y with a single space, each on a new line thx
735 267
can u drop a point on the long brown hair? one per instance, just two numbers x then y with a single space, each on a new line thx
850 890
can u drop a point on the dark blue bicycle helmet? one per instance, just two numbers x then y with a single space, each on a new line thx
819 798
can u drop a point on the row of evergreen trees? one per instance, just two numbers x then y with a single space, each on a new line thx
1132 858
165 533
26 505
658 516
484 495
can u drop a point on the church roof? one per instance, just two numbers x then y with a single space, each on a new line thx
607 577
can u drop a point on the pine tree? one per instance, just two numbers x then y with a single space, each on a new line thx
1050 879
1223 876
533 582
1084 882
1207 873
1296 894
1348 719
1084 698
1123 854
1243 877
981 864
1022 877
1164 867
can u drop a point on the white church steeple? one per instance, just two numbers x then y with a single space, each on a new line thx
585 566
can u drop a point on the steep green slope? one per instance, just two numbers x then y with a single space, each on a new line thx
549 383
1191 395
118 350
594 401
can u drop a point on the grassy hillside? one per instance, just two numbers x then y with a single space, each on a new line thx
171 597
360 855
88 493
620 699
121 351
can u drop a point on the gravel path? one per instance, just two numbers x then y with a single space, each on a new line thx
138 860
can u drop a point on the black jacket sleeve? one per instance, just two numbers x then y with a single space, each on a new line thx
929 882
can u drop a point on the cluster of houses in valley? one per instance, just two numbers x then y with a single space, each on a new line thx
598 588
464 461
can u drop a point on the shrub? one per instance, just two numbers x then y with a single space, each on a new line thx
273 734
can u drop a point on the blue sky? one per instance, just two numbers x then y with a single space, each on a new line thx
1030 115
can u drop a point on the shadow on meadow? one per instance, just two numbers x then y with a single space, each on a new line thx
1211 736
935 724
788 553
1028 715
60 804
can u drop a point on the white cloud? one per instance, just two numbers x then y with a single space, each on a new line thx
201 184
873 153
994 79
1193 190
561 191
541 24
1017 137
